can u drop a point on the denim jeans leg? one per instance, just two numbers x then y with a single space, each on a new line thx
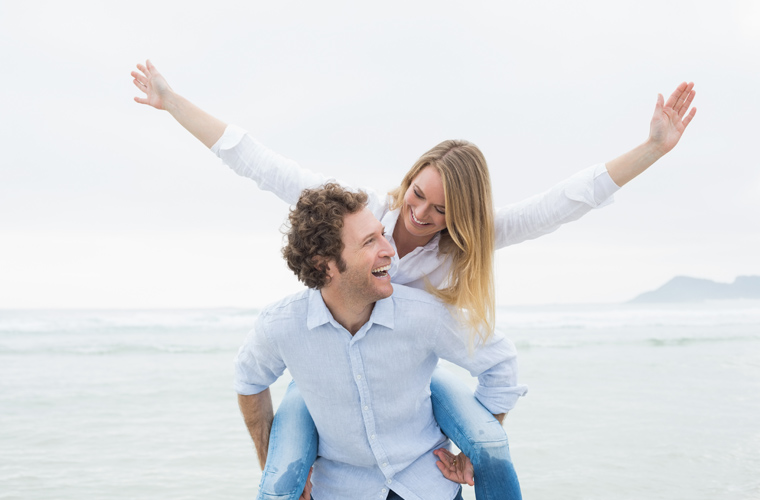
292 449
478 434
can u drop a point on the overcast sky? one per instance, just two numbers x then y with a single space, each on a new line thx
107 203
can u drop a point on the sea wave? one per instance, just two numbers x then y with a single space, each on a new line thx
50 321
615 316
566 342
113 350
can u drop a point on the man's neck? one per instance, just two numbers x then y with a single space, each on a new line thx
349 314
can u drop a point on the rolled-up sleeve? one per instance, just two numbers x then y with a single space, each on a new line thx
494 363
258 363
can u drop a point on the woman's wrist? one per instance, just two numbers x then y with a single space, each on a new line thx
171 101
653 149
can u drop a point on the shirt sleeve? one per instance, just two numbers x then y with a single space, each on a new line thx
494 363
271 171
258 363
544 213
275 173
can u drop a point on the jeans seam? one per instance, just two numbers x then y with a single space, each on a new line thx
472 442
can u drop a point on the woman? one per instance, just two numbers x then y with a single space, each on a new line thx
444 242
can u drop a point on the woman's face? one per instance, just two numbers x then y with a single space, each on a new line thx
424 206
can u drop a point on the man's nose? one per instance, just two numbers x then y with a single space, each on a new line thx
387 249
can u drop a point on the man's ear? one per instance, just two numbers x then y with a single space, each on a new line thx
324 264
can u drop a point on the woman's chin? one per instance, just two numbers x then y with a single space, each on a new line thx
416 230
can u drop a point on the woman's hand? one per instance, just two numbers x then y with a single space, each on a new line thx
670 118
160 95
668 123
457 468
149 81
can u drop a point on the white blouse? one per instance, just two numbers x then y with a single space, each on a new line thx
533 217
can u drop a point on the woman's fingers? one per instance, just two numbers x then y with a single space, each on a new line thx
140 78
679 107
144 70
140 86
688 118
676 96
687 101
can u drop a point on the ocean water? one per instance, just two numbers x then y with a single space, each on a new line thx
625 402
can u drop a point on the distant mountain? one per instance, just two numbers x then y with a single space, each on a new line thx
686 289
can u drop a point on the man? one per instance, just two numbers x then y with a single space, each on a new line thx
362 355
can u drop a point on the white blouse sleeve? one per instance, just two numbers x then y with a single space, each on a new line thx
565 202
271 171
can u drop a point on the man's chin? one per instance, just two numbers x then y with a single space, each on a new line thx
385 291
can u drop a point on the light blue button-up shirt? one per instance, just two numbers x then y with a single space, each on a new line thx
369 394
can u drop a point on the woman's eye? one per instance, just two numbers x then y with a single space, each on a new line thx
418 195
442 212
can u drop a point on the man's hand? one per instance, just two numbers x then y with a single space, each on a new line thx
306 495
457 468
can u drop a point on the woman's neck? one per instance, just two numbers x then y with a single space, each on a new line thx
406 241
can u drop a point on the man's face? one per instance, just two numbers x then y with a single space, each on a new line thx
367 255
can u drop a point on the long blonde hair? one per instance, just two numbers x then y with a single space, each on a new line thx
468 239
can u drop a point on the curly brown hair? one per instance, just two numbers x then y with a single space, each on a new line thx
314 230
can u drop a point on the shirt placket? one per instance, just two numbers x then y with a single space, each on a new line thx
368 416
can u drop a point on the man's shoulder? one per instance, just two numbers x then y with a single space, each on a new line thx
414 297
287 307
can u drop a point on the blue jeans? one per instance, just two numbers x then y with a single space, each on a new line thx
293 442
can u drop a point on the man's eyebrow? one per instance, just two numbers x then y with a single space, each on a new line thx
372 234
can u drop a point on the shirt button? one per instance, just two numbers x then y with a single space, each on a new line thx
389 481
366 408
372 436
358 377
385 464
385 491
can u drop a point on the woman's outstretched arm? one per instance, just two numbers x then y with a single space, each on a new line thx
668 124
160 95
593 187
242 153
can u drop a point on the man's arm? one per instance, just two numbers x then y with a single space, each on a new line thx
258 415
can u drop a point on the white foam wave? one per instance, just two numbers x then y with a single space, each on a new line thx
730 313
49 321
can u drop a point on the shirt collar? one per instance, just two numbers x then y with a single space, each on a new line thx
383 313
318 313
